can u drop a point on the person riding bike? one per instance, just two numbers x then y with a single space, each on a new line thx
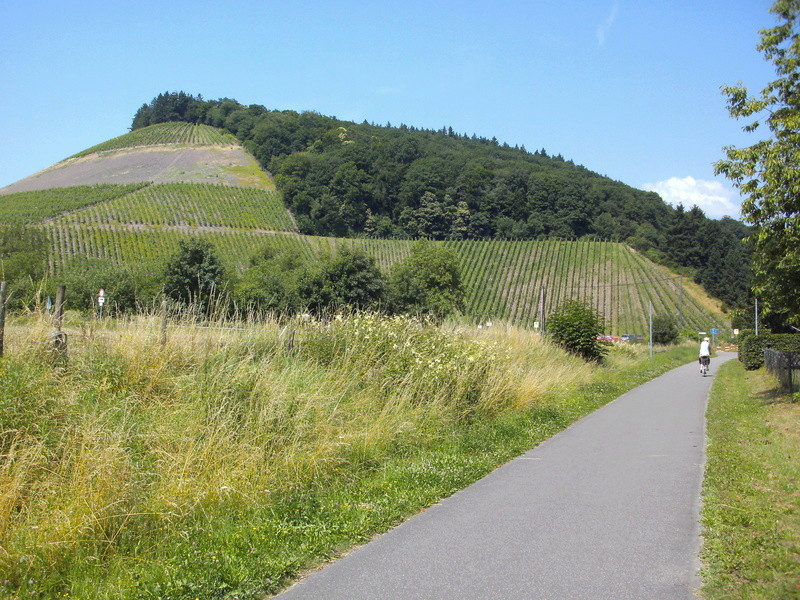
705 353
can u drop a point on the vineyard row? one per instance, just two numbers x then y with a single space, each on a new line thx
503 279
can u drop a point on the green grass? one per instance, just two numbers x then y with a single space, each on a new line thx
165 134
251 176
223 465
751 506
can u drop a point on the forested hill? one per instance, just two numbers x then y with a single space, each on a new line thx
344 179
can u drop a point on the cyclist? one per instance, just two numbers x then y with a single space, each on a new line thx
705 354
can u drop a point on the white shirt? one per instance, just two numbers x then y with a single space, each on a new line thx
705 349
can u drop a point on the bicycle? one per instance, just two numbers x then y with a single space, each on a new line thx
704 362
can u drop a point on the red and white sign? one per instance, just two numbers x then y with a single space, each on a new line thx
101 297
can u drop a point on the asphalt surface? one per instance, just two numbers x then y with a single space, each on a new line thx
607 509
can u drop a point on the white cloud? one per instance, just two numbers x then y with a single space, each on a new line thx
605 26
711 196
388 91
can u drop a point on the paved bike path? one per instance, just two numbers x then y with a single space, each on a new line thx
607 509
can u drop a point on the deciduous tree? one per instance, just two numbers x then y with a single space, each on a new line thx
427 282
768 172
194 273
576 326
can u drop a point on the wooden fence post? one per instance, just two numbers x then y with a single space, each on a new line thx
58 314
59 337
2 315
163 323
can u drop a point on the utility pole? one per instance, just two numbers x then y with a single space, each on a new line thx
650 310
541 307
2 314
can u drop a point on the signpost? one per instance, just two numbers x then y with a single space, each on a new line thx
101 300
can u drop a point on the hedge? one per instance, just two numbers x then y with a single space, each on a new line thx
751 346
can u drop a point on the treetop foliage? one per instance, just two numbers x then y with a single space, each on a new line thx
665 329
427 282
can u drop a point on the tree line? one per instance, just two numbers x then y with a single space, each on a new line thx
276 280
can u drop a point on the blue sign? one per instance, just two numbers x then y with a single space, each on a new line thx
715 331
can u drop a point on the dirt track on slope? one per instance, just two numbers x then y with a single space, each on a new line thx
162 164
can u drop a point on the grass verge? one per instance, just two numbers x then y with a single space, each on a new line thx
225 463
751 504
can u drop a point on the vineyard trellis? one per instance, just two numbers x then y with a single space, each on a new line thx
187 206
502 279
164 134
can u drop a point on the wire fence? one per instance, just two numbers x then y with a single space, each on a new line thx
783 366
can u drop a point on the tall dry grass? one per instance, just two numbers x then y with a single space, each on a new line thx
109 455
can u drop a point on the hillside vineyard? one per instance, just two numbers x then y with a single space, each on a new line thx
140 225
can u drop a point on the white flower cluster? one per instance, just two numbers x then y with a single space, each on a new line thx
412 351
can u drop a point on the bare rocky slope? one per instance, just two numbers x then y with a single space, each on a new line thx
163 156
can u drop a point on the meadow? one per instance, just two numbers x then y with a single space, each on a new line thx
224 462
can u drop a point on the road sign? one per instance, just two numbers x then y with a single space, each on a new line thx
101 297
715 331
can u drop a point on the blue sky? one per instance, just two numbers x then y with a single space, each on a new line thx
628 89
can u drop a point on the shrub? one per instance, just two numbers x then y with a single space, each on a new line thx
23 252
751 347
751 351
351 279
665 329
427 282
85 277
194 274
271 281
576 326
